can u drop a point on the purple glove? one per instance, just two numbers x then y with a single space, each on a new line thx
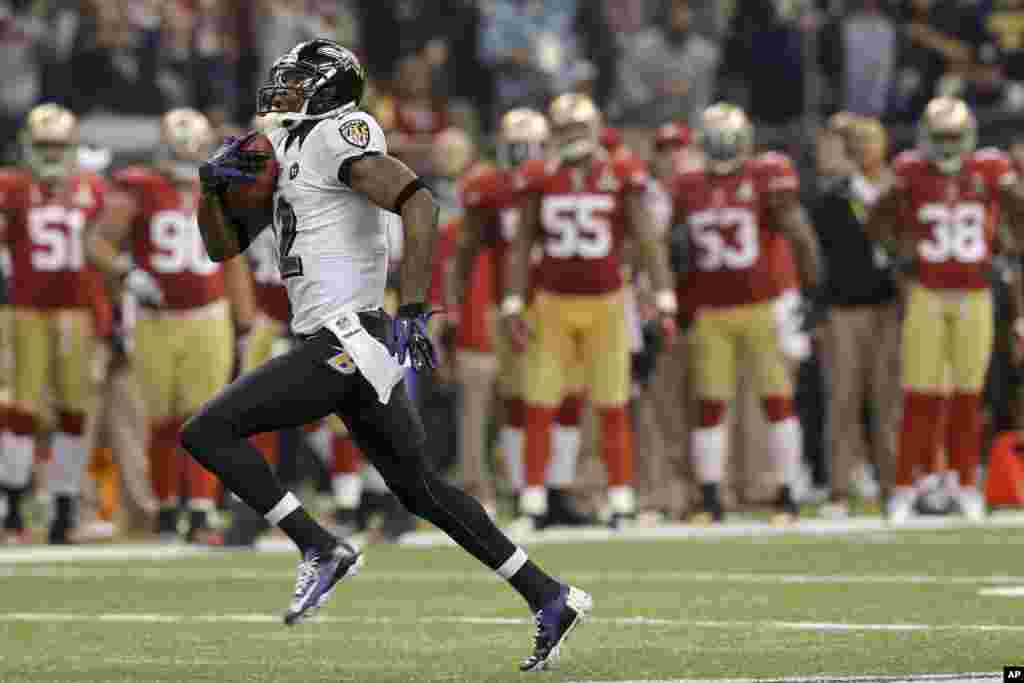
409 337
230 164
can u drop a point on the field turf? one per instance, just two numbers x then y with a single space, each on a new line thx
873 603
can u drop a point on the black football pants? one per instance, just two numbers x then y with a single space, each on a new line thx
298 388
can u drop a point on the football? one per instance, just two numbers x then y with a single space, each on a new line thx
252 204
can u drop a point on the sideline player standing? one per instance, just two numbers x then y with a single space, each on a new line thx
336 183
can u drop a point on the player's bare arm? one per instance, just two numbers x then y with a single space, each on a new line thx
792 221
653 256
112 226
393 186
220 233
1011 201
470 243
882 225
238 285
518 267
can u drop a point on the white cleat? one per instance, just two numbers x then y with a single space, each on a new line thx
900 506
971 504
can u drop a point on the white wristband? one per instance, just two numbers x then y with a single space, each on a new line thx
665 302
512 305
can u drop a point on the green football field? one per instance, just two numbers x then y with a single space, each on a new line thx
873 603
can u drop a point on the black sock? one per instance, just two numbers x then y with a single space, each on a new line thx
63 518
535 585
305 532
14 521
198 519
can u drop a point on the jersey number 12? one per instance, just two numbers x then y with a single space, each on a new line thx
290 265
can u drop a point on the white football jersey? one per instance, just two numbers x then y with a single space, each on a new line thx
331 242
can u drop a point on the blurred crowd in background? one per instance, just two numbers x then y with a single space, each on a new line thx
117 63
459 64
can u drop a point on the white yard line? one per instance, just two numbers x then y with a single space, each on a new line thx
1003 592
146 618
912 678
427 539
207 574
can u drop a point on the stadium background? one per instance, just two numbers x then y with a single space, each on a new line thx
858 599
442 65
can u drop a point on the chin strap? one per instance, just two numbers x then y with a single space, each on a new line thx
287 119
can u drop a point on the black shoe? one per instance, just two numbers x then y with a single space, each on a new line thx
786 510
562 511
167 523
711 511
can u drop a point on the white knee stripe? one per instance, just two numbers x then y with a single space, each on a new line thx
513 564
284 507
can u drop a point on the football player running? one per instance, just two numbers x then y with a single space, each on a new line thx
183 336
579 207
336 185
46 205
736 212
942 212
490 221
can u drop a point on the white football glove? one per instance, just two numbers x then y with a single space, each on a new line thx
145 287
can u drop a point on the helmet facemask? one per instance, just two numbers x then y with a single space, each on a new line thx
49 142
947 133
310 87
523 135
185 142
576 127
726 138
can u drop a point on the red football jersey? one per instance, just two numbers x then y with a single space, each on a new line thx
953 218
268 288
166 241
490 188
44 226
473 331
582 221
737 256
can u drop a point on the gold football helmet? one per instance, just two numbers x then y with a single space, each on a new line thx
948 131
575 126
186 137
49 141
726 136
522 135
454 151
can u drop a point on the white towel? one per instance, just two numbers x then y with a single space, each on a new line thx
370 356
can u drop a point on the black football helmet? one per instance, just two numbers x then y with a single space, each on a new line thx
327 75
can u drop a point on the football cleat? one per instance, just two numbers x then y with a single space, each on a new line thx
318 574
971 504
555 621
900 505
787 512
